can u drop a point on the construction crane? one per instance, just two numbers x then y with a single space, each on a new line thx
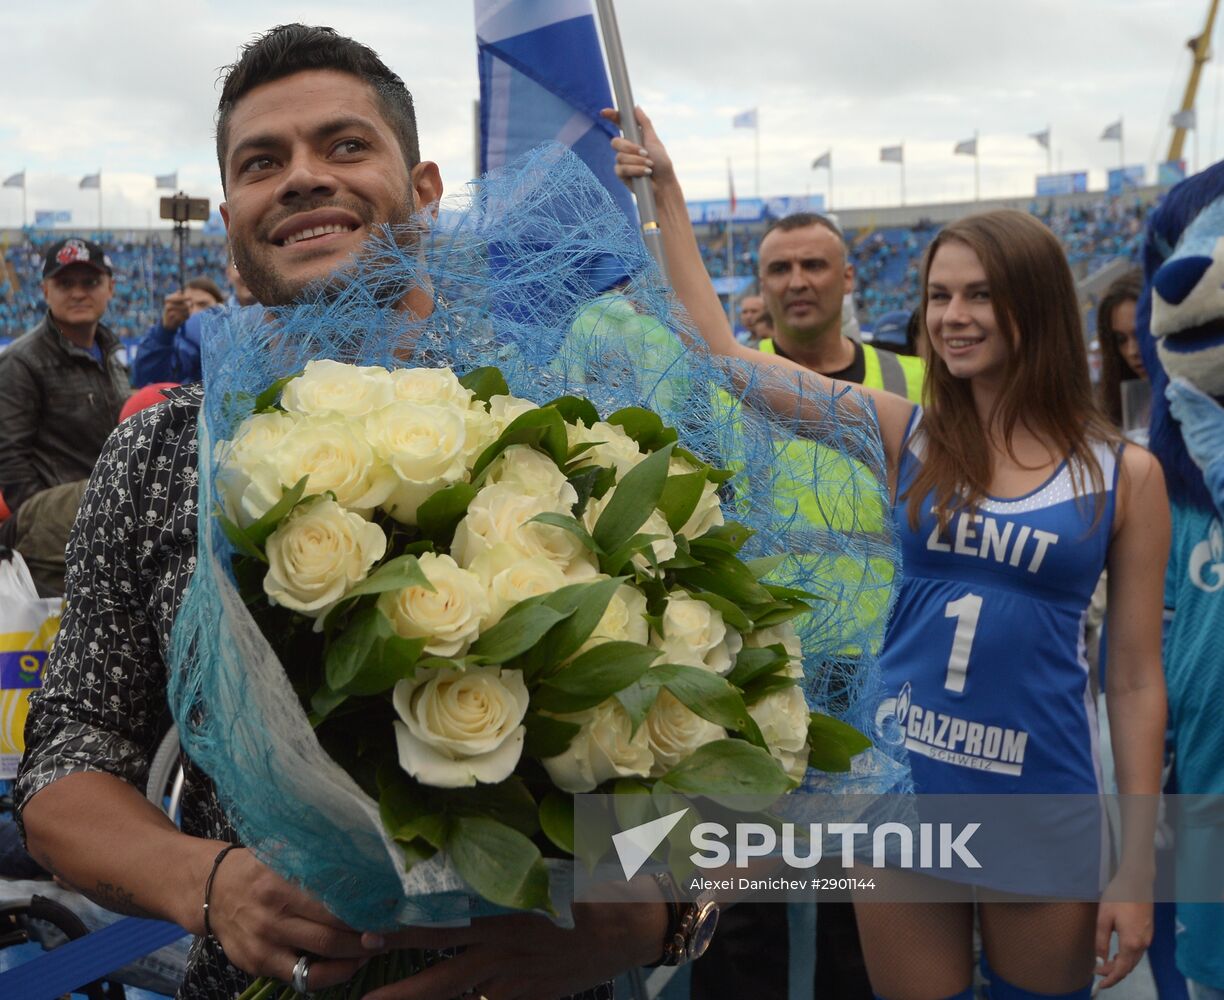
1201 47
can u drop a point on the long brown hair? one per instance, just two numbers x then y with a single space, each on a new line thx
1114 370
1048 389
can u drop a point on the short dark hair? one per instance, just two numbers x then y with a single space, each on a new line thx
801 220
293 48
207 285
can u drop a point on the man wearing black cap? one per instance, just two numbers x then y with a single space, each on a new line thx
63 383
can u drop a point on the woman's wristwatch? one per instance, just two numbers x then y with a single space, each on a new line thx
690 924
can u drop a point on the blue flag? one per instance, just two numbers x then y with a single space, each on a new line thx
542 77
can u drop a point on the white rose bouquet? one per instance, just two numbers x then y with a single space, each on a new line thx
486 606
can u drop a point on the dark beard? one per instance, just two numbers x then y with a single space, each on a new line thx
270 288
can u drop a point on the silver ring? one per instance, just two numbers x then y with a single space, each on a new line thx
301 972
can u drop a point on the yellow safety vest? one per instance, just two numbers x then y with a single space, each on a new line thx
901 374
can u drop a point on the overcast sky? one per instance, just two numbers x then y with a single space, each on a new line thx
129 86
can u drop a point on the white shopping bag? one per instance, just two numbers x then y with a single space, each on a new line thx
28 624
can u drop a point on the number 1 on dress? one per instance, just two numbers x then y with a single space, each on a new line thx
965 610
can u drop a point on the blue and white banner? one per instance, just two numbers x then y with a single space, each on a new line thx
542 77
1168 174
753 209
1125 179
1052 184
45 217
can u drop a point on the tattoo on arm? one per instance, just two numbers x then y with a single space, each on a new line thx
117 899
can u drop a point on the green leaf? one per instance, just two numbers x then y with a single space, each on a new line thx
542 429
632 502
755 690
728 767
637 699
323 702
824 728
557 820
570 524
617 562
726 538
523 626
681 494
548 737
583 605
395 574
779 613
710 696
439 516
368 657
508 801
240 540
406 809
631 803
259 531
594 677
764 566
575 410
644 426
728 578
731 613
713 473
590 481
485 383
752 663
499 863
265 402
829 757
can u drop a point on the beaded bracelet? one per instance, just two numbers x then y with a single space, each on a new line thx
209 884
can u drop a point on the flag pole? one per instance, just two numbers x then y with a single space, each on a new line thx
99 201
619 72
830 207
977 169
730 248
1049 154
1121 142
756 180
903 174
24 179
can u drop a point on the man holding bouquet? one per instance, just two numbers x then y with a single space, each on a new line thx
317 147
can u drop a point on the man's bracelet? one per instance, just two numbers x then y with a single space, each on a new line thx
209 884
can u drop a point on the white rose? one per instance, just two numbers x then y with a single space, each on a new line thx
425 445
344 390
694 634
528 471
451 614
664 546
785 636
504 410
335 456
318 554
500 515
460 726
674 731
708 513
431 386
613 447
606 747
258 438
783 720
510 577
624 620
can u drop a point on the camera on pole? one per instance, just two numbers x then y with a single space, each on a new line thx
183 209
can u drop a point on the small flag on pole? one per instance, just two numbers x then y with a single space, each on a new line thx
967 147
91 181
892 154
823 161
15 181
1112 132
166 180
1042 138
745 119
1184 119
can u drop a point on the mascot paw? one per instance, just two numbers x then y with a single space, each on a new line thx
1202 423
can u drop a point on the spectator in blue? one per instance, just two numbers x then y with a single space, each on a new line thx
170 350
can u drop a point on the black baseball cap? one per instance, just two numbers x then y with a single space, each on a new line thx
65 253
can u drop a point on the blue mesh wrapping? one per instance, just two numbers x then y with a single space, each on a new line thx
511 278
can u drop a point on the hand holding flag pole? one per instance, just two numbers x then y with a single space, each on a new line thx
621 89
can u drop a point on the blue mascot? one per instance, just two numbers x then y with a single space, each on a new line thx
1181 324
